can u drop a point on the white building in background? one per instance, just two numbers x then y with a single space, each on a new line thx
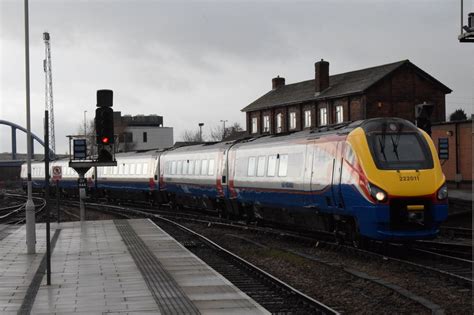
142 132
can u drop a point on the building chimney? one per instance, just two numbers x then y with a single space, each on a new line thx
321 75
277 82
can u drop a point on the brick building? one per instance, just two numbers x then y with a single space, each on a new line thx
387 90
459 136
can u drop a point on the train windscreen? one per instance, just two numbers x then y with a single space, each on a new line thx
396 151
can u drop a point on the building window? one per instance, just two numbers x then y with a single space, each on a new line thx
307 118
145 137
266 123
292 120
279 122
323 116
339 114
254 124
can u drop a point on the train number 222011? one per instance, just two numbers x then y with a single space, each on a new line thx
408 178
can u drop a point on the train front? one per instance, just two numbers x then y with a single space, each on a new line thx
401 181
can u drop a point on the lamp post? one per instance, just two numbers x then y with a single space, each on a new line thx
30 206
223 130
85 125
200 131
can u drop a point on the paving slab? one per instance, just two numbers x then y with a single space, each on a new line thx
113 267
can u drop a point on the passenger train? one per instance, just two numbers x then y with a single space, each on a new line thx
372 179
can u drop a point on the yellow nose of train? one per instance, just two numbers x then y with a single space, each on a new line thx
406 195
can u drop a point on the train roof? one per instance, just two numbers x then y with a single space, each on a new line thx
369 125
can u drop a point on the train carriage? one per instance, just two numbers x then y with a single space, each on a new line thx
194 175
378 179
134 177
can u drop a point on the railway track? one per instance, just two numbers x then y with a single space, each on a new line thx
456 232
454 269
456 250
273 294
14 215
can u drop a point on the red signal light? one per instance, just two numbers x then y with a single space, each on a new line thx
105 140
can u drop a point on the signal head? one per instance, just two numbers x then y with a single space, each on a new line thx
105 98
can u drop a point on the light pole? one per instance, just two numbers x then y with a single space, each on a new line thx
30 206
200 131
223 130
85 125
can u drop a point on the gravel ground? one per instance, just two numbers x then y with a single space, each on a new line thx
336 288
70 213
6 201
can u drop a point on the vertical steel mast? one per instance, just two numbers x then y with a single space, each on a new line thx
49 90
30 206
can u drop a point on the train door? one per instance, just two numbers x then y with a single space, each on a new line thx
222 177
308 175
337 175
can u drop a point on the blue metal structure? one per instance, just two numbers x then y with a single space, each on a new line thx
14 128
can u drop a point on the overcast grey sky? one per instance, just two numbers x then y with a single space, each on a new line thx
203 61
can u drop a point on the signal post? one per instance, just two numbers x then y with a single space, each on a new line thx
105 140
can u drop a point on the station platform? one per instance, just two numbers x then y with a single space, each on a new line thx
113 267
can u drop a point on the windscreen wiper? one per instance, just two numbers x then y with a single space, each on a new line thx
382 141
395 147
397 142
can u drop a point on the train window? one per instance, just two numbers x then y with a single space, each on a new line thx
400 151
251 166
191 167
173 167
271 165
145 168
211 167
261 166
204 167
105 171
185 167
115 170
120 169
197 169
133 169
283 167
179 167
126 169
349 154
139 168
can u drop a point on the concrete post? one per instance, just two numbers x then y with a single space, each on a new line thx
30 206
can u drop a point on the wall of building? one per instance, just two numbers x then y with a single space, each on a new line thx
394 96
156 137
397 95
462 156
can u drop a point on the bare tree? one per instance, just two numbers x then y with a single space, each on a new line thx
234 129
218 134
124 141
191 136
89 134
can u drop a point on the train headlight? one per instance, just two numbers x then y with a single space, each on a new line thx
380 196
377 193
443 192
